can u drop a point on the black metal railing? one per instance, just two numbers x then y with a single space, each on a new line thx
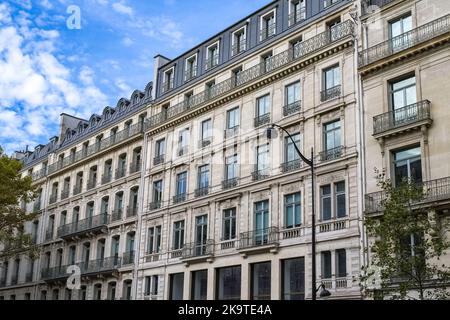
203 143
405 41
117 214
297 16
231 132
120 173
29 277
414 113
49 235
369 6
330 93
91 184
167 86
155 205
77 189
329 3
262 120
158 160
291 165
106 178
65 194
212 61
331 154
269 31
192 250
128 258
39 174
83 226
100 265
280 60
201 192
292 108
14 279
259 237
131 212
53 198
260 174
230 183
179 198
239 47
190 73
54 273
135 167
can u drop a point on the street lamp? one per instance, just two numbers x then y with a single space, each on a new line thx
324 293
271 133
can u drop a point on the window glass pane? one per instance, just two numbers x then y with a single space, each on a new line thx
176 286
293 279
229 283
326 265
261 281
341 263
200 285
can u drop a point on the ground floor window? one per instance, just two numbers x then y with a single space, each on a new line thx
199 284
176 286
229 283
293 279
260 281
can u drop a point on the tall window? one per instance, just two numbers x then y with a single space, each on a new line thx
262 158
263 106
292 211
239 41
293 94
403 94
199 284
268 26
260 281
331 83
333 209
181 184
191 68
332 140
201 234
261 222
228 283
206 132
397 28
176 286
341 263
157 192
203 177
408 165
233 118
326 264
229 224
212 56
168 82
231 167
183 142
298 11
293 275
291 153
160 148
178 235
151 285
154 240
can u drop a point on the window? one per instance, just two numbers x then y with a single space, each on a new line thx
90 210
178 235
331 83
263 106
168 80
267 62
160 148
112 291
262 159
403 94
72 255
341 263
326 264
261 222
203 177
176 286
268 26
260 281
191 68
229 224
337 208
291 153
126 294
43 295
408 165
199 285
292 96
231 168
297 11
332 141
82 293
157 192
201 235
27 296
411 247
206 133
239 41
151 285
212 56
233 118
183 142
107 174
181 184
292 211
397 32
229 283
154 240
97 292
293 277
327 3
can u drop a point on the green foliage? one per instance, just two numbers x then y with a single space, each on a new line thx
406 246
13 190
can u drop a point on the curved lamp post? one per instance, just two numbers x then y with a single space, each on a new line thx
271 134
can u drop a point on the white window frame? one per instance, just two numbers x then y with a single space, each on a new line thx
261 22
216 43
186 63
172 78
292 4
233 39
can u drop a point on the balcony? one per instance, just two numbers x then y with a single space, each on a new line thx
182 151
297 16
259 240
205 142
93 225
231 132
39 174
135 167
53 198
331 93
131 212
195 252
277 62
101 266
238 47
128 258
49 235
258 175
91 184
230 183
106 178
410 39
370 6
212 61
410 117
190 73
331 154
77 189
155 205
291 166
434 191
167 86
55 274
158 160
201 192
268 32
332 225
262 120
37 205
292 233
179 198
120 173
116 215
292 108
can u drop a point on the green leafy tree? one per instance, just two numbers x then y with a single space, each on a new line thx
13 190
407 243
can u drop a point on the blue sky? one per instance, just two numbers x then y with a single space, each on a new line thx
47 68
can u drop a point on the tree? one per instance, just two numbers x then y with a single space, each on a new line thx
13 190
407 243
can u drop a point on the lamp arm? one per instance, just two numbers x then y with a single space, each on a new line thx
306 160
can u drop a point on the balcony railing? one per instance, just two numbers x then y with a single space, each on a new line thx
212 61
49 235
373 4
190 73
93 149
434 190
260 174
131 212
331 154
53 198
330 93
77 189
401 117
39 174
297 16
84 226
116 215
201 192
105 265
167 86
231 132
267 32
120 173
179 198
135 167
262 120
155 205
106 178
158 160
300 50
405 41
128 258
65 194
54 273
262 237
291 166
91 184
205 142
192 250
239 47
292 108
230 183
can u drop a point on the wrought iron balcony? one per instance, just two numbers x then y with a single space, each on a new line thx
239 47
53 198
49 235
205 142
256 238
193 250
433 191
291 166
155 205
297 16
405 41
120 173
190 73
116 215
131 212
201 192
91 184
158 160
179 198
39 174
212 61
167 86
283 59
54 274
260 174
77 189
415 114
106 178
292 108
128 258
369 6
100 266
230 183
331 154
267 32
135 167
65 194
95 224
37 205
330 93
231 132
262 120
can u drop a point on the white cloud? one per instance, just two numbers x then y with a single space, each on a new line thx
127 42
123 87
5 14
46 4
122 8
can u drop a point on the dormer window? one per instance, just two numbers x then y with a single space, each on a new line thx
239 41
212 56
268 25
191 68
167 84
297 11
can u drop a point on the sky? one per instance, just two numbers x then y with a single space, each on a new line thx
79 56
